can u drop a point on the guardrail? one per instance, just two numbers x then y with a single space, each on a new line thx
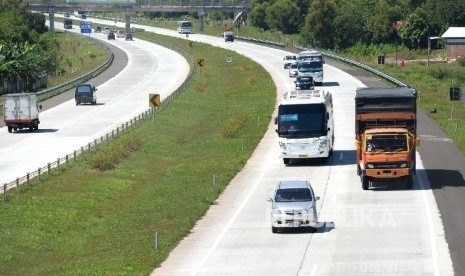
47 93
79 154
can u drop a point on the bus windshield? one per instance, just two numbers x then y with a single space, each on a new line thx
302 120
311 66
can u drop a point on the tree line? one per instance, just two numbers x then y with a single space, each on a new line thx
27 49
341 24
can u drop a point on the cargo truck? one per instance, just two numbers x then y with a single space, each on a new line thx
67 23
386 135
21 111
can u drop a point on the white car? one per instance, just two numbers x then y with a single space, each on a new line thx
287 60
293 70
293 206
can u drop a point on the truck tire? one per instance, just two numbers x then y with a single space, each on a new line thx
286 161
409 182
365 183
274 230
10 129
36 127
31 128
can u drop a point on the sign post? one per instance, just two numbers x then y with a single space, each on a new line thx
154 102
86 27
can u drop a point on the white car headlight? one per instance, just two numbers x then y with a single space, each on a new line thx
276 212
307 211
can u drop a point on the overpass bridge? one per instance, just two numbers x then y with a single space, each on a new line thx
240 8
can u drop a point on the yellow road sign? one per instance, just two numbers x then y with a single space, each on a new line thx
200 62
154 100
191 44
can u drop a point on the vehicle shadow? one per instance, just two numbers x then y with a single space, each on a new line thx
437 179
330 83
323 227
337 158
40 130
91 104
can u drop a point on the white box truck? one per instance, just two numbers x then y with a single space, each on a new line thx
21 111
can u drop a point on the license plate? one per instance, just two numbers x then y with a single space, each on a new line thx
303 155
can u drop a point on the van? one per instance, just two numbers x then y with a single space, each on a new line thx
85 93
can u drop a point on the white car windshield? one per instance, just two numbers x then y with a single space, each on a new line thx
293 195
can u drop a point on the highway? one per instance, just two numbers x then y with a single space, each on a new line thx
67 127
387 231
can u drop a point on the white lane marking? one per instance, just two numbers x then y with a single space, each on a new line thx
314 270
429 217
230 222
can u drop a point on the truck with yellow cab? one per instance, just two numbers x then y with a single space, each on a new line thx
386 135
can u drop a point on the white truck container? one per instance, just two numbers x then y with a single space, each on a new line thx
21 111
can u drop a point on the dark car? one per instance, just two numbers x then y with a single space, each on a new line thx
85 93
228 36
128 36
304 82
111 35
98 29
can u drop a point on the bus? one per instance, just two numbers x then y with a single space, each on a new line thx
310 63
184 27
305 125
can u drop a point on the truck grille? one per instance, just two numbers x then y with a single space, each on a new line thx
387 165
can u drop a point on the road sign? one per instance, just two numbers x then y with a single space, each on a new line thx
200 62
229 59
154 100
86 27
191 44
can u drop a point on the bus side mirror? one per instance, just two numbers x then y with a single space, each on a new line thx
275 120
357 145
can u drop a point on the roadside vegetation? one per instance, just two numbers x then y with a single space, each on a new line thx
100 216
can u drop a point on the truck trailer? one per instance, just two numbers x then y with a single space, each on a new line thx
21 111
386 135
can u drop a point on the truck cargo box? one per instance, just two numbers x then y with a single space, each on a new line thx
21 111
399 99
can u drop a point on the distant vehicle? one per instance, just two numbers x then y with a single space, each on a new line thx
293 206
184 27
311 64
106 30
67 23
288 60
80 14
111 36
128 36
305 125
21 111
85 93
120 34
304 82
293 70
98 29
228 36
66 14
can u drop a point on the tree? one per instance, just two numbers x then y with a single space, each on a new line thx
415 29
319 23
282 16
259 15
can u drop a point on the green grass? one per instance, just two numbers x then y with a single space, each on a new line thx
88 221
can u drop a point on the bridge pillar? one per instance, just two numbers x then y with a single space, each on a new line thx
51 16
127 17
201 14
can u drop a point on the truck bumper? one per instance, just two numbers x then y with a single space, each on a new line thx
387 174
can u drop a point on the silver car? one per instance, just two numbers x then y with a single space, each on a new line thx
293 205
293 70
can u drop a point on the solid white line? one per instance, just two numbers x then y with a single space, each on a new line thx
429 217
314 270
228 225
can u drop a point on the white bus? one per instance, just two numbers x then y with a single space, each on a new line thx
305 125
310 63
184 27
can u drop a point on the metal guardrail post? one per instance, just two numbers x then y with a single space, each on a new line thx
17 184
5 197
58 163
27 179
48 168
38 172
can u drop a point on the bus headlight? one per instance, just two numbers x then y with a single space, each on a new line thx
322 144
283 145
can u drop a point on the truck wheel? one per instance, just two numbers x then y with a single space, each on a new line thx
10 129
286 161
15 129
31 128
36 127
409 182
274 230
77 103
365 183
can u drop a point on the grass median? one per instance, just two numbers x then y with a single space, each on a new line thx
87 219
